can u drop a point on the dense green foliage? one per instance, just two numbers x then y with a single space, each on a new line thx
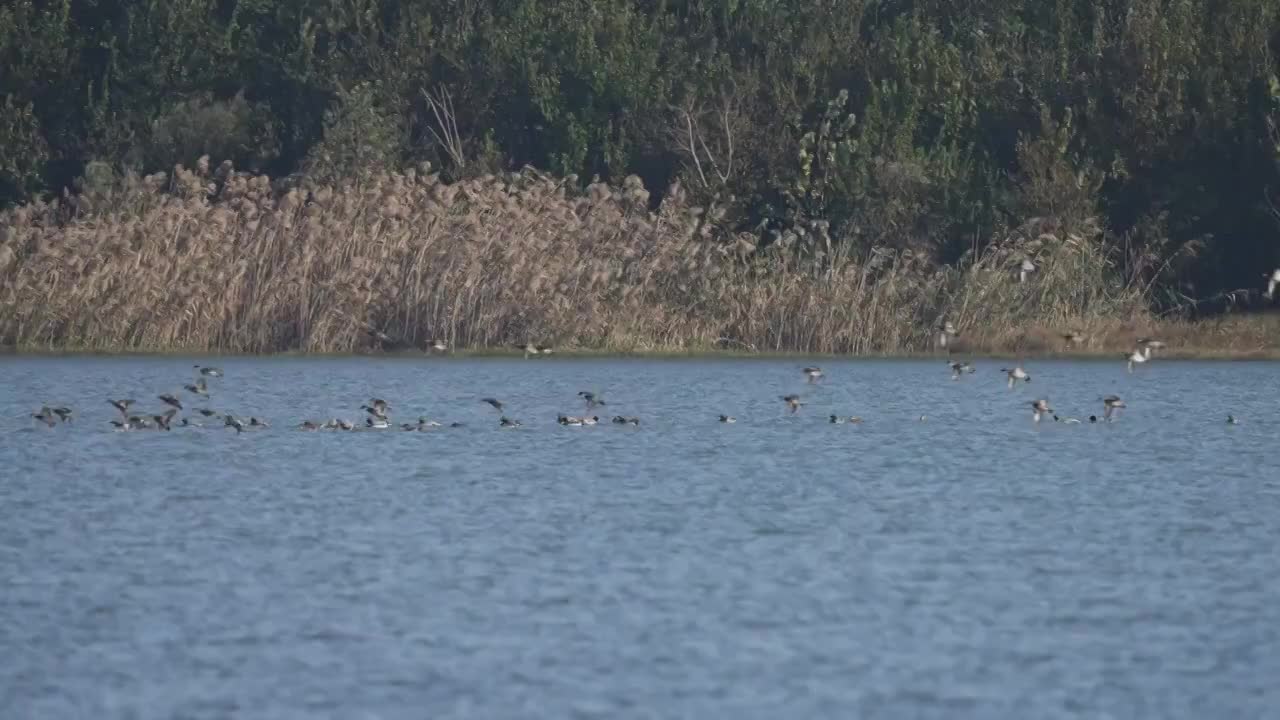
934 125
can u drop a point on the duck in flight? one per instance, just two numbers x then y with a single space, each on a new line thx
812 374
1139 355
946 331
209 371
959 368
1026 268
591 399
46 416
162 421
1039 408
1111 405
1273 279
197 388
122 406
168 399
1074 337
794 403
1015 374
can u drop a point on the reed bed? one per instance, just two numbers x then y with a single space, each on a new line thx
222 261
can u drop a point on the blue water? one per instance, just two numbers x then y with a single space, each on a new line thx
973 565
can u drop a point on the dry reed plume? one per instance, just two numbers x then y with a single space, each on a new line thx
220 261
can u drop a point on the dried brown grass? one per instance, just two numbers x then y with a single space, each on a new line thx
221 261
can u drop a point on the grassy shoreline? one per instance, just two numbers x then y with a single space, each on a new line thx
1240 350
226 263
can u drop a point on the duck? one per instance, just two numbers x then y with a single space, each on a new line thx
569 420
232 421
1066 420
1093 418
122 406
793 403
591 399
1273 279
425 422
121 425
840 420
377 423
257 422
495 403
812 374
1025 268
959 368
728 419
1150 344
138 422
623 420
1111 405
198 388
529 349
168 399
946 331
593 420
1015 374
1038 408
46 416
209 413
65 414
345 425
1139 355
209 371
507 422
437 346
162 421
309 425
1231 419
190 423
1074 337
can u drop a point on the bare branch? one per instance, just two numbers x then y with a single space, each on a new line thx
446 129
707 139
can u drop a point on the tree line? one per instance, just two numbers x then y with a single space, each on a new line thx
934 126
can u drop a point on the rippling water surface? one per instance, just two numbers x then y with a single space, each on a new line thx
972 565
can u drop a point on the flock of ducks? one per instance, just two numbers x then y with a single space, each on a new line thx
378 411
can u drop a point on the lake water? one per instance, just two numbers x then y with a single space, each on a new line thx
969 566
